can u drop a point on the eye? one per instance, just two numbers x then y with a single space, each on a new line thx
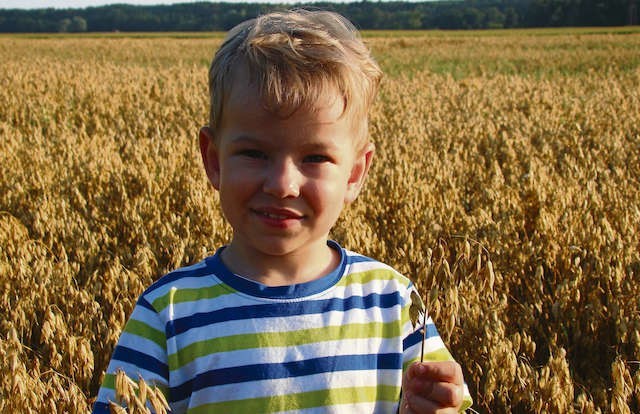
252 153
317 158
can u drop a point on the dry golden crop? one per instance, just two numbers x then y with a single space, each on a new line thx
512 156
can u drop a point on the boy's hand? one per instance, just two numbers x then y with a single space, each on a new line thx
432 387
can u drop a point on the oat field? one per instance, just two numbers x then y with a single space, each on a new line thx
506 184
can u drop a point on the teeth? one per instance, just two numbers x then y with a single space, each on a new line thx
275 216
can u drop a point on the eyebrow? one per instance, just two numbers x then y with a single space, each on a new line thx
312 145
244 138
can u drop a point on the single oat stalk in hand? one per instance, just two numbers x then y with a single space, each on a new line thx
416 310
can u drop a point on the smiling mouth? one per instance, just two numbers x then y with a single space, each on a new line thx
275 216
278 216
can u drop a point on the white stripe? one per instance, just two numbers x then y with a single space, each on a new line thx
148 317
151 348
358 267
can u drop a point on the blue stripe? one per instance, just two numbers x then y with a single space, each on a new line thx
142 302
139 359
416 336
276 310
359 259
101 408
258 372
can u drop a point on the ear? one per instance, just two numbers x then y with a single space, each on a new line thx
359 172
209 154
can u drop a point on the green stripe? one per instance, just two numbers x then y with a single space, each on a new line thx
441 354
143 330
109 381
174 296
467 402
281 339
304 400
371 275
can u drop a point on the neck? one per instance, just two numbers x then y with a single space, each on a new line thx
281 270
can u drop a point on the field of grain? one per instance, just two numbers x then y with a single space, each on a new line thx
506 184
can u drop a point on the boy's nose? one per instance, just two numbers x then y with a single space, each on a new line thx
283 180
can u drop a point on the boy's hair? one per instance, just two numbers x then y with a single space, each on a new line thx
293 57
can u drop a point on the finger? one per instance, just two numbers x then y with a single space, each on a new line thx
440 371
443 393
405 408
418 404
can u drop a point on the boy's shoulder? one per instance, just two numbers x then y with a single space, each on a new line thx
362 266
194 276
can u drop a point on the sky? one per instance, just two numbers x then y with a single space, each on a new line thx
74 4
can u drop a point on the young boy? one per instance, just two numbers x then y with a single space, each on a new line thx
283 319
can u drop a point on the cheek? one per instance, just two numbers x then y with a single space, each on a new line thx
233 172
235 187
325 194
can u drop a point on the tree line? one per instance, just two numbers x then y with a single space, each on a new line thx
367 15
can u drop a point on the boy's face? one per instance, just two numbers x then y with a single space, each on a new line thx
282 182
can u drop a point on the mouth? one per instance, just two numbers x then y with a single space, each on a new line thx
274 216
278 214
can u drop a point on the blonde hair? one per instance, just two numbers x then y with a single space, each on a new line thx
292 58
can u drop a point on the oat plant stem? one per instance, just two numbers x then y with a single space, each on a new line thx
424 334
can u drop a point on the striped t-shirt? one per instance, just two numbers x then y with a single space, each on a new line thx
218 343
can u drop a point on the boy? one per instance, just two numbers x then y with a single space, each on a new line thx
282 319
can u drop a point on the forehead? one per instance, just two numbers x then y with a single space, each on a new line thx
282 92
245 97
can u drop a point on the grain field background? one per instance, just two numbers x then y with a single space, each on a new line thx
506 183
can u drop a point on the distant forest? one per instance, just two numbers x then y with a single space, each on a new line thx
366 15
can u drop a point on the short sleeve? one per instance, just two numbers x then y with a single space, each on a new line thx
141 351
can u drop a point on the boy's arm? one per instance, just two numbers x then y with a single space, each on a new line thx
438 380
141 352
